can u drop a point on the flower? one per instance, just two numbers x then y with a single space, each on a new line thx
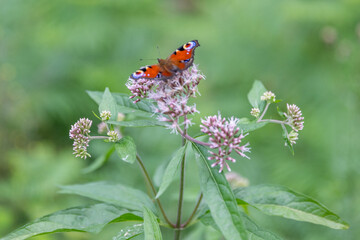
105 115
292 137
255 112
171 96
140 88
225 138
268 96
79 132
114 136
294 117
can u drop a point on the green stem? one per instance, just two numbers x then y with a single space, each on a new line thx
98 137
148 180
263 113
181 195
194 212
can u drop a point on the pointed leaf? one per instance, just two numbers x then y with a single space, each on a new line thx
283 202
100 161
159 173
96 96
253 230
202 232
126 149
255 93
171 170
151 226
79 219
246 125
145 106
130 232
219 197
126 105
116 194
108 103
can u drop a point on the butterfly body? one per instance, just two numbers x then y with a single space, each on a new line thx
180 60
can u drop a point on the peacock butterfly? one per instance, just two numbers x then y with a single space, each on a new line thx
178 61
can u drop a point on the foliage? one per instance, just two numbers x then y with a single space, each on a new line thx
220 209
51 51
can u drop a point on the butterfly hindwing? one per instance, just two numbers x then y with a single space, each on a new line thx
151 72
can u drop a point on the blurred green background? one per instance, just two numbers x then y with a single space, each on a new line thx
307 52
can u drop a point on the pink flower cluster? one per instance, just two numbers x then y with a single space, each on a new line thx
79 132
294 117
140 88
225 137
171 96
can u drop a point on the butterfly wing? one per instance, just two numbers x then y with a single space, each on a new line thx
183 57
151 72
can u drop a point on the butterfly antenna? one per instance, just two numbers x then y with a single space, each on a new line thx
158 50
142 59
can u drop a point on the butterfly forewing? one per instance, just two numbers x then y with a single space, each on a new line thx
183 57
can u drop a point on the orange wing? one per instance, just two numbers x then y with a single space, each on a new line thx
151 72
183 57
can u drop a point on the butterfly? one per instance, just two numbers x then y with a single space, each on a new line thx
178 61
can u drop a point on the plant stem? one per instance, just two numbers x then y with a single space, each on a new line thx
276 121
263 113
181 193
99 137
194 212
272 121
148 180
188 137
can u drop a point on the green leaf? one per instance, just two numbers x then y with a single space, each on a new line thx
219 197
130 232
140 123
100 161
79 219
151 226
202 232
246 125
253 230
126 149
159 173
126 105
283 202
255 93
108 103
96 96
116 194
144 107
171 170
